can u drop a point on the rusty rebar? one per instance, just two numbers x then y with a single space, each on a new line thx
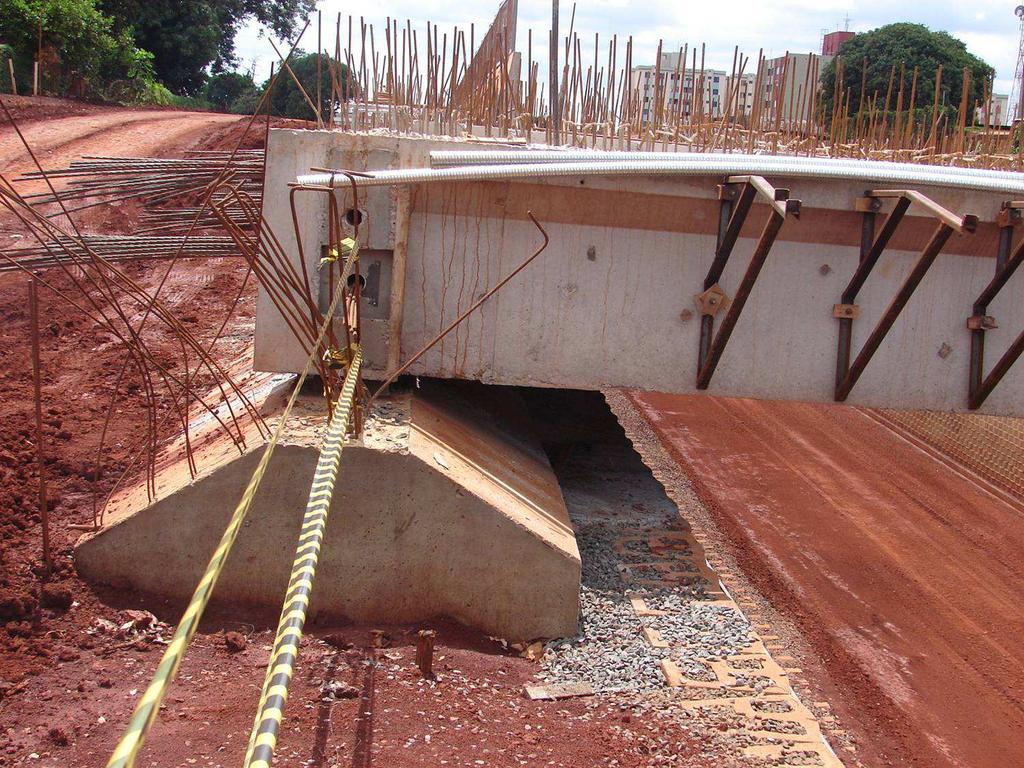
44 513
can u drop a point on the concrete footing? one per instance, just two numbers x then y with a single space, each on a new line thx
446 506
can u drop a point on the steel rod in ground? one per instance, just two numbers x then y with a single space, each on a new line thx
281 667
44 514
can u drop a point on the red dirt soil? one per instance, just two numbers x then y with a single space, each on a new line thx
115 132
472 714
80 363
46 629
905 577
28 109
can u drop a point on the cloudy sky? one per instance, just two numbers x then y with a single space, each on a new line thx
989 28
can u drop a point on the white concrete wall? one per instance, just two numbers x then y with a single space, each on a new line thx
615 320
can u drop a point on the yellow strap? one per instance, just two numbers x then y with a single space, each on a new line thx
149 705
347 246
280 668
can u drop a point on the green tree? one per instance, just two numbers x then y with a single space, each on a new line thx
190 37
287 100
88 43
6 53
908 46
246 104
225 88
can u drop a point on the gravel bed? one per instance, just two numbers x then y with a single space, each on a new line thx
609 652
758 682
697 631
778 726
800 757
767 705
609 511
637 548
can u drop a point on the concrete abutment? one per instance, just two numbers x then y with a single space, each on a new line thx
447 506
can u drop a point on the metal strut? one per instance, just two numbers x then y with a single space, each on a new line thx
979 386
737 196
846 311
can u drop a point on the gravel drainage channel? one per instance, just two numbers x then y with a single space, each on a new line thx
618 509
656 629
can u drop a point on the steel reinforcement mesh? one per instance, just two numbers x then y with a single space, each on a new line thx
990 446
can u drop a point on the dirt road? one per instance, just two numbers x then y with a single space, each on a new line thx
905 576
58 140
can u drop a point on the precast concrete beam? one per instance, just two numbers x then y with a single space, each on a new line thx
610 302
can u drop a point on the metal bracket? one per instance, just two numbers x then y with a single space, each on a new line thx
1010 215
712 301
982 323
737 196
979 386
727 191
871 248
841 311
867 205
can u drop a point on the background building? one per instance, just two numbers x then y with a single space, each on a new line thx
831 42
790 82
676 87
740 94
788 86
998 111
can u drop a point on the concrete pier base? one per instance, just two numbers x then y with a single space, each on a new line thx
446 506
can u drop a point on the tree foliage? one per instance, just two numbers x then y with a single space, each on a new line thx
188 37
89 44
905 46
226 88
287 100
6 53
247 103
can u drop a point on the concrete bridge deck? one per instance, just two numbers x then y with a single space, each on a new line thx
611 302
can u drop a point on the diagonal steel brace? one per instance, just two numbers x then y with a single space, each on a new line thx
735 208
980 386
847 374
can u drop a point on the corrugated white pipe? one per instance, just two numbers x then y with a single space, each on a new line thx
694 165
456 158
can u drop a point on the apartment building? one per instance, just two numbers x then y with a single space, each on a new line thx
998 114
789 84
740 94
674 86
833 41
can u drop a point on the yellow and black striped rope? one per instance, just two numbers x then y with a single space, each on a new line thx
149 705
263 738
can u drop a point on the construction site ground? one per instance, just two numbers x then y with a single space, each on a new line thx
874 586
897 570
